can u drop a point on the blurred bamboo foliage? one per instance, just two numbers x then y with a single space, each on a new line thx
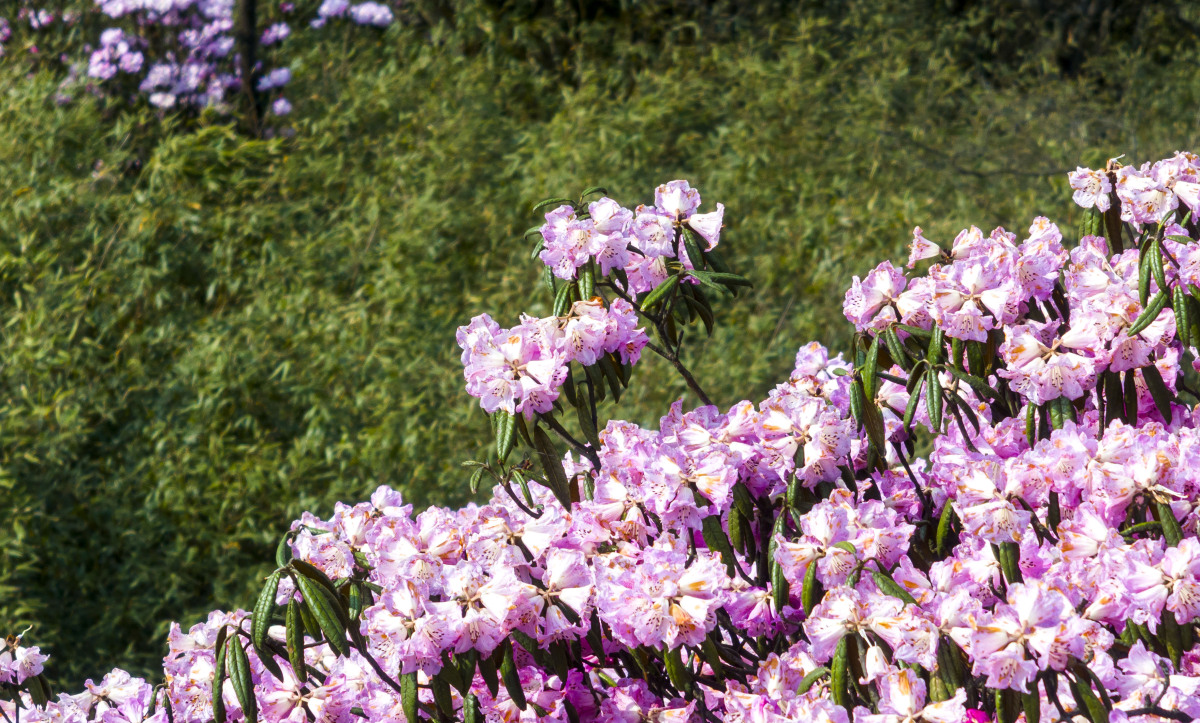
206 334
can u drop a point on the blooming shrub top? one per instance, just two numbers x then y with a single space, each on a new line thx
785 560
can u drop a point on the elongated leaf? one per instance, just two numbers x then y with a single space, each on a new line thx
811 591
1158 390
888 586
264 608
914 398
552 465
556 202
587 282
691 244
780 589
677 672
1147 317
220 669
441 695
839 680
408 697
945 525
896 349
239 675
294 637
1129 391
512 680
283 551
659 293
1183 324
870 370
979 385
807 682
725 279
562 300
1081 687
933 400
1172 532
487 671
1156 265
322 608
715 539
506 434
590 190
1010 559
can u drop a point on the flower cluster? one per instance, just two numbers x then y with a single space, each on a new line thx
521 369
784 560
637 242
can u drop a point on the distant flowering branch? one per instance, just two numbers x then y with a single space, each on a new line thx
785 560
182 54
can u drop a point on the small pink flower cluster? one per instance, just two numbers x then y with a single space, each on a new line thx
790 560
639 242
521 369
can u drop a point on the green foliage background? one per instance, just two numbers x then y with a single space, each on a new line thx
204 335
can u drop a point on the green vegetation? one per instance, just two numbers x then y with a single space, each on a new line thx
205 334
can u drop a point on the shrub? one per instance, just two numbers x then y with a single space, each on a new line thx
787 560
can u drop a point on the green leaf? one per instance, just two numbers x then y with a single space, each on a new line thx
811 591
1147 317
219 672
896 350
263 609
1158 390
471 711
691 244
283 551
677 672
658 293
1172 532
562 300
839 680
715 539
807 682
1010 561
933 400
487 671
441 695
322 608
1081 687
870 371
888 586
506 434
294 638
979 385
239 675
1156 265
552 465
945 525
556 202
408 697
780 589
587 281
1183 325
512 679
476 477
590 190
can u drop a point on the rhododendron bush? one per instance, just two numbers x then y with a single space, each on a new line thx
790 559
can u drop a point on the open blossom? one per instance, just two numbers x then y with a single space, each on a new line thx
1042 367
1092 188
867 303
